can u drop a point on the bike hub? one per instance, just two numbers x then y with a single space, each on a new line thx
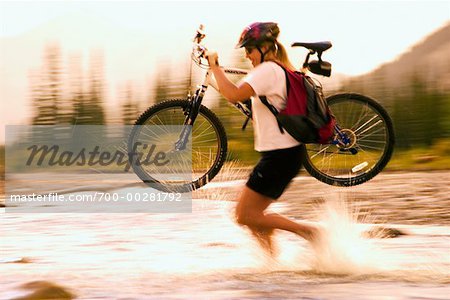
346 139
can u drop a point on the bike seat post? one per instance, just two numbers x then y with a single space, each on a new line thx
305 64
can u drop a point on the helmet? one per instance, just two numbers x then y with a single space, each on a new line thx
256 33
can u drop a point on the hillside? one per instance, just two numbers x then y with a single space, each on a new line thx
428 61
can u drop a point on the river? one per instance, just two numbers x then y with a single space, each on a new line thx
205 255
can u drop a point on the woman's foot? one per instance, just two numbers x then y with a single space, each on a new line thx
264 238
312 233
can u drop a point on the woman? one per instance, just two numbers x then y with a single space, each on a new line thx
281 153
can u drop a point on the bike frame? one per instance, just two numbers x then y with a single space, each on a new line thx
195 102
341 139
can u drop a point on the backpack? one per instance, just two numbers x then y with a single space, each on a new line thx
306 117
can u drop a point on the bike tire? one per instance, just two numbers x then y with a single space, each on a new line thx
209 145
372 137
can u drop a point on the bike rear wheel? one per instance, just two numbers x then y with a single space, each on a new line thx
208 143
362 146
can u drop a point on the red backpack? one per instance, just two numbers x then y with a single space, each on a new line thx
306 116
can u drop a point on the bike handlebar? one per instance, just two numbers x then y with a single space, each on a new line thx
200 34
199 54
198 50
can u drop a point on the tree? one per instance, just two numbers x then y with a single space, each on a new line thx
161 86
87 103
77 94
170 84
129 106
46 88
96 93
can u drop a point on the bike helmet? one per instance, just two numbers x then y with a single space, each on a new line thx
257 33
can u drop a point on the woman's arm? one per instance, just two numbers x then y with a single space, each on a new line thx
227 88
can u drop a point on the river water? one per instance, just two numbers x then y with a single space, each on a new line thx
205 255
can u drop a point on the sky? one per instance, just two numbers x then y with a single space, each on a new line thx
384 28
365 34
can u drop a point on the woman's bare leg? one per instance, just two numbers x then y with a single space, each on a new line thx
250 212
263 235
264 238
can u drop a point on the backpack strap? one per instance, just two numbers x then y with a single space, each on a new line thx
272 108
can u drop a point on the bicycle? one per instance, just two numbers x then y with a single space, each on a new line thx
362 145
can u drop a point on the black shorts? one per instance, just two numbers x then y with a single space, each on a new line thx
275 170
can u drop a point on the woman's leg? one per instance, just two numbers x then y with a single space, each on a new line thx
263 235
268 180
250 212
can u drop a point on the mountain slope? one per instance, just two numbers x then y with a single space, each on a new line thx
428 61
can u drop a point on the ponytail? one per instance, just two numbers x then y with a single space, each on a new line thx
277 51
282 56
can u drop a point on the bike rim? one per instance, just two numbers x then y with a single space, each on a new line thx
204 145
365 130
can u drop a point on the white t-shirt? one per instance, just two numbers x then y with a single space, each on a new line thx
268 79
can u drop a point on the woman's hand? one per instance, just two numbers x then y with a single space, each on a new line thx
213 58
227 88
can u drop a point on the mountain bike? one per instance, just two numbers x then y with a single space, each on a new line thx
362 145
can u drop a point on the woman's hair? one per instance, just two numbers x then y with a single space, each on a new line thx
279 52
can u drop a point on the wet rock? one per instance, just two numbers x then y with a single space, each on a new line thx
18 260
45 290
383 233
218 244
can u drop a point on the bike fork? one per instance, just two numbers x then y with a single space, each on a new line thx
191 113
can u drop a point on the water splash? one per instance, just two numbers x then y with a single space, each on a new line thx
227 186
343 249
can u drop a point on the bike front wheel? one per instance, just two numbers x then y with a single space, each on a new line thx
362 145
207 146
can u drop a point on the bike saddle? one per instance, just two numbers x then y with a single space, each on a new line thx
318 47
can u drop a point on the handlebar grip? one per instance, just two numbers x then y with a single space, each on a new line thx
214 55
